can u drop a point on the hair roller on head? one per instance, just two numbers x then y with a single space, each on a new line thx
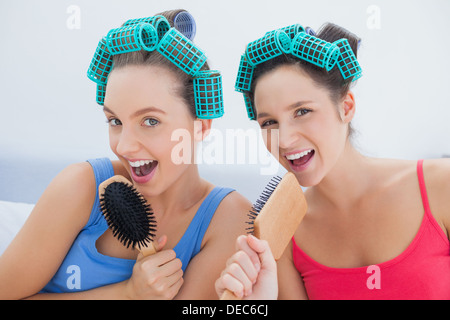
185 23
101 64
347 62
181 52
208 94
131 38
244 76
310 31
101 91
273 44
293 30
159 22
249 106
314 50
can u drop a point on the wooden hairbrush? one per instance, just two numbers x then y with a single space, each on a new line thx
276 216
128 214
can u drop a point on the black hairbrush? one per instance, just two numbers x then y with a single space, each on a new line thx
128 214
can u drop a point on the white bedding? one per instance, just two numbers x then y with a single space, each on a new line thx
12 217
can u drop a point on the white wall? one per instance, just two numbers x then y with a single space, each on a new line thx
47 104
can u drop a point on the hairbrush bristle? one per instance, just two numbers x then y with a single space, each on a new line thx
128 214
259 204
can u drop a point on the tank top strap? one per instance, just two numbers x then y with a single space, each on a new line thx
190 243
423 189
103 170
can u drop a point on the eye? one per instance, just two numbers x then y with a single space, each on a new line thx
302 111
151 122
267 123
114 122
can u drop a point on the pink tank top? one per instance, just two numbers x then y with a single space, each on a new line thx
421 272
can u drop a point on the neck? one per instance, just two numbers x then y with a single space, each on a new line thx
347 181
182 194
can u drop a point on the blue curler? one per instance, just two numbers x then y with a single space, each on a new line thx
132 38
273 44
310 31
181 51
249 106
101 63
347 62
185 23
208 94
159 22
101 91
293 30
244 76
314 50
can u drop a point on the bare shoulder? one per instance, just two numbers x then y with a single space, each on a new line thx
73 190
231 215
437 182
437 176
234 207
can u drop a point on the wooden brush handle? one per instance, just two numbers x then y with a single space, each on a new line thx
149 250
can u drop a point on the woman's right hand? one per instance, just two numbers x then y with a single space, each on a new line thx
157 277
251 273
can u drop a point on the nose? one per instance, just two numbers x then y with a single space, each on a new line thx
127 143
287 135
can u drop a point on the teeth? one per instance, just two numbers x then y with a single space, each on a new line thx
298 155
139 163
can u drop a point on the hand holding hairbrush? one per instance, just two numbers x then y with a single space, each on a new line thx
128 214
276 216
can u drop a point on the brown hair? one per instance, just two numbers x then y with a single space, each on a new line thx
331 80
146 58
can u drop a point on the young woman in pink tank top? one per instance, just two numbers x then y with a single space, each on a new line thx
375 228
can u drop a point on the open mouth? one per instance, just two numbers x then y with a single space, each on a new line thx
300 159
142 168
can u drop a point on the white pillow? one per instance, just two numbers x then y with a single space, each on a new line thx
12 217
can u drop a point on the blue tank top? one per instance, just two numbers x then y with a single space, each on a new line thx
84 268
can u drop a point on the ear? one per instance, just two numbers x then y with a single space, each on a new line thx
202 128
348 107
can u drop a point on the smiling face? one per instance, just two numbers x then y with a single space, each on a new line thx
313 130
143 109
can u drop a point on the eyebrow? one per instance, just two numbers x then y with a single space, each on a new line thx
139 112
292 106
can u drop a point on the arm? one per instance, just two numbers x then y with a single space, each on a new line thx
36 252
218 245
291 284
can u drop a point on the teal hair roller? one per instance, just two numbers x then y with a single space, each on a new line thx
249 106
208 94
314 50
185 23
244 76
159 22
273 44
101 63
101 91
293 30
181 51
132 38
347 62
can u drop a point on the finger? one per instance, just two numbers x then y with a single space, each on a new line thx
243 244
157 260
246 264
159 245
238 273
232 284
264 252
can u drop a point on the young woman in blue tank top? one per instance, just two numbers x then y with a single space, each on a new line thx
65 249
